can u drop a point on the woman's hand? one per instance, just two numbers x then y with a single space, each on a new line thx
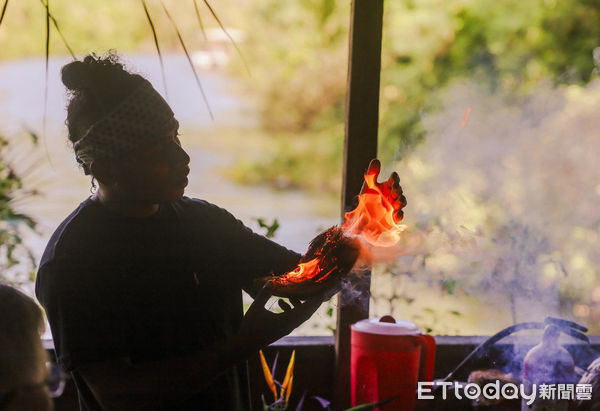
330 257
391 189
261 327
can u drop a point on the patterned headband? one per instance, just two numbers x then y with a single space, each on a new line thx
129 127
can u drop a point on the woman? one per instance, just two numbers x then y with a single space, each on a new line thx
142 286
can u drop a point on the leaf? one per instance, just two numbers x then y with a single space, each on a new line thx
199 19
3 11
327 9
34 136
227 34
449 286
271 229
47 51
274 367
301 402
156 45
324 403
61 35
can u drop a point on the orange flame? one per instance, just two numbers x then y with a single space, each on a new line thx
466 117
374 219
306 271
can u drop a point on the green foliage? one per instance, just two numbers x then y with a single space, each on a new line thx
508 45
88 25
270 228
449 285
98 26
16 260
298 55
288 161
517 44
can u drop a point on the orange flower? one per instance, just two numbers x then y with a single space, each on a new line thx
268 376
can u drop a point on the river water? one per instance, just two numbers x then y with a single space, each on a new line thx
63 186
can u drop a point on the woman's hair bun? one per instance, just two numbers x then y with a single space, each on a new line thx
75 75
92 72
96 86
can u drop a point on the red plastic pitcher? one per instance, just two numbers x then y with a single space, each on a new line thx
388 358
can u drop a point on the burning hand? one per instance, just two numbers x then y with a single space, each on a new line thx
330 256
373 224
390 190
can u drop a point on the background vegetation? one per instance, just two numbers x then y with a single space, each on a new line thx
490 103
17 262
510 46
516 223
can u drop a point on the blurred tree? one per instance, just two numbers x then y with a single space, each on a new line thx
298 53
17 263
97 26
507 45
298 50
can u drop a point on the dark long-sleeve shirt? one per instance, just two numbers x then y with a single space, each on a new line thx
153 288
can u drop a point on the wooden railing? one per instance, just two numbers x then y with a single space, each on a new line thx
315 364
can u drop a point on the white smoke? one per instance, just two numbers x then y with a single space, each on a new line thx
509 206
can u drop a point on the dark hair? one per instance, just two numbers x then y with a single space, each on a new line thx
96 86
21 351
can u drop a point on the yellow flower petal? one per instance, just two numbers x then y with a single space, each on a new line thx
268 376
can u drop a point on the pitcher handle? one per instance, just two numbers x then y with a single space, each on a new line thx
427 360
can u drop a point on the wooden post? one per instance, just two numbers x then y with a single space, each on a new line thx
360 146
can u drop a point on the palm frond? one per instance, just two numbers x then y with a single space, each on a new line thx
46 5
199 19
188 58
3 11
162 66
227 34
55 23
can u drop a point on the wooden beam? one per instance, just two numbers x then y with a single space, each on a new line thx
360 146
